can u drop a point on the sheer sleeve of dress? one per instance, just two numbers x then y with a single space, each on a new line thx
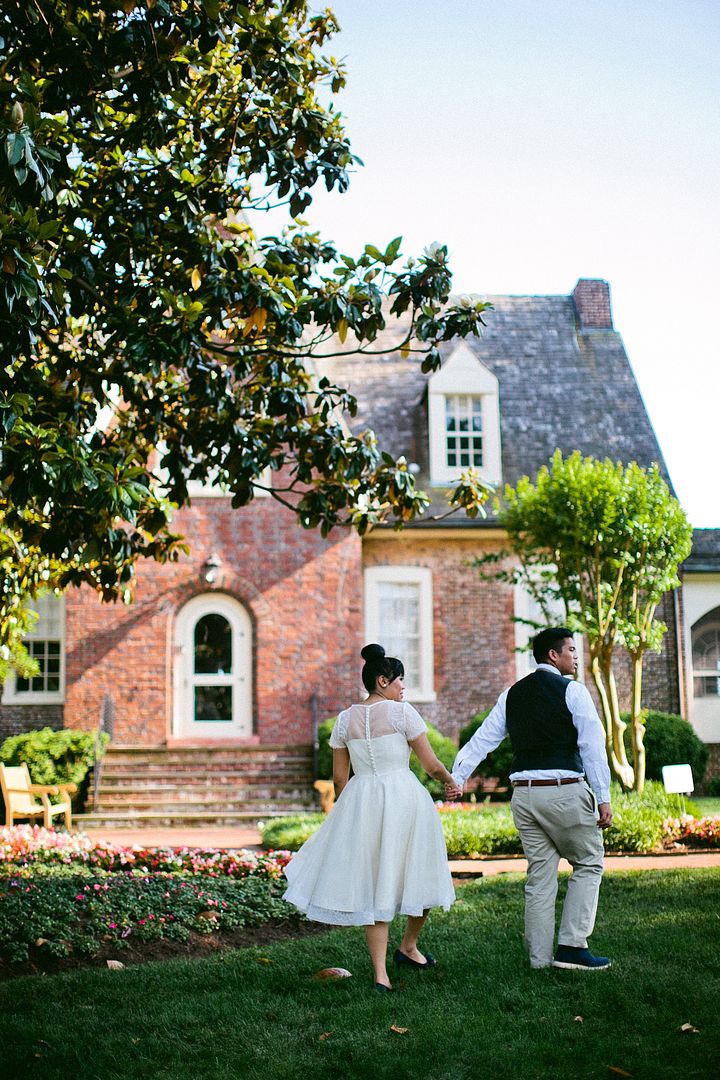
338 735
409 722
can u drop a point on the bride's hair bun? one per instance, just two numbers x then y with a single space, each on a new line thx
372 652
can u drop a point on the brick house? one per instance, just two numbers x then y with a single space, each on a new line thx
233 653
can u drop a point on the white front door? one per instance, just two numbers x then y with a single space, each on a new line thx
213 669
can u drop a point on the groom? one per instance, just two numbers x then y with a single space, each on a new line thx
561 795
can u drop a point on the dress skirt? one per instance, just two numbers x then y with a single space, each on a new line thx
379 853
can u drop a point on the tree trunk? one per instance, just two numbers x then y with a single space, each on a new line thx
618 757
604 702
637 730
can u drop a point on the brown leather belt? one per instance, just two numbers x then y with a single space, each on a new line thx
547 783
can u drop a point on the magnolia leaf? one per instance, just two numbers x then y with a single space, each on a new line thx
690 1029
333 973
342 330
196 278
405 350
263 960
115 965
399 1030
618 1071
325 1035
580 1019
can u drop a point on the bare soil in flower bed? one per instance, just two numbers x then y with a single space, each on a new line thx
197 946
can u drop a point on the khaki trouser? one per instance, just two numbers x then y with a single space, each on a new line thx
557 822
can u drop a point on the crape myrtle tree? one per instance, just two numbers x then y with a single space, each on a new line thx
143 323
603 541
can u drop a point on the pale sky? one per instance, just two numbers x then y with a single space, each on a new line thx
548 140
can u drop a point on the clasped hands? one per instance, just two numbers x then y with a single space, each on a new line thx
452 791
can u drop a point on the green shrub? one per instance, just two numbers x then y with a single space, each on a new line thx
497 764
713 787
289 833
324 761
638 819
637 826
444 748
55 757
669 740
472 833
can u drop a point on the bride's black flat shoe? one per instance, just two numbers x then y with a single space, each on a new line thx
381 988
401 960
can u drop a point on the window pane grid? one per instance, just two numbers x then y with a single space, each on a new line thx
706 662
463 431
47 680
399 625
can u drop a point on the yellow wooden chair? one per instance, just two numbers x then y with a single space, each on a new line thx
20 796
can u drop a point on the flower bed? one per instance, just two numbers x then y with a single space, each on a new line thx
693 832
31 845
62 895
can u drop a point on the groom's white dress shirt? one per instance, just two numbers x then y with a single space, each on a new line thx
590 737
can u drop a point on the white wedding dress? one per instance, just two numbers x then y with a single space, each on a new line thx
381 850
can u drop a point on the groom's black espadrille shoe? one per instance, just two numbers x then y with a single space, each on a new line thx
401 960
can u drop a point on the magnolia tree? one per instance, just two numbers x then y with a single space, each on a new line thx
144 321
603 541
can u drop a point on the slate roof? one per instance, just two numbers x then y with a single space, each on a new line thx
705 554
561 385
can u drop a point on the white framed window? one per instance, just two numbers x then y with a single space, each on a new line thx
46 645
464 419
528 611
399 616
706 656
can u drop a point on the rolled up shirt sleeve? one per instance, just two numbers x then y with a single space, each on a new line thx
591 740
487 738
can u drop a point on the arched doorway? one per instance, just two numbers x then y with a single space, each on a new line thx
213 669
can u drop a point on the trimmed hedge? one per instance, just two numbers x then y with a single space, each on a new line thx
637 826
55 757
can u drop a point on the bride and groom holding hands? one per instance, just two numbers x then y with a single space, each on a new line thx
381 851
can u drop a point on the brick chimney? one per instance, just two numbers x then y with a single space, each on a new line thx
592 304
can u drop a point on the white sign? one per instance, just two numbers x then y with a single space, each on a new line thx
678 779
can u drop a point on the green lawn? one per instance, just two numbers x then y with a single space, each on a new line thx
708 805
259 1013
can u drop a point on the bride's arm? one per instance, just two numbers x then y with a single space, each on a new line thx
341 769
429 761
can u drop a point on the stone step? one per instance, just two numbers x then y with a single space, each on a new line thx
103 820
202 777
219 784
211 798
160 755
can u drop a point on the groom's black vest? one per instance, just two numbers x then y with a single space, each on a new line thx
540 725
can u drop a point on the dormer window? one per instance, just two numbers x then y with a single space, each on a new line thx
463 431
464 419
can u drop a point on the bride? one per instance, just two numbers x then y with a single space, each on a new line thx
381 850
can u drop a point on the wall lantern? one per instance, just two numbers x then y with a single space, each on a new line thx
210 568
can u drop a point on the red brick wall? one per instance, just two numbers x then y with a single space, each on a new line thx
303 595
473 630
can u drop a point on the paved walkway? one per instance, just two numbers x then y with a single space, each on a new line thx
247 836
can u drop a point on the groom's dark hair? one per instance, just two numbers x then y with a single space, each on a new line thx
548 639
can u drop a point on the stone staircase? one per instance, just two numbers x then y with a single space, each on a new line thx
199 786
